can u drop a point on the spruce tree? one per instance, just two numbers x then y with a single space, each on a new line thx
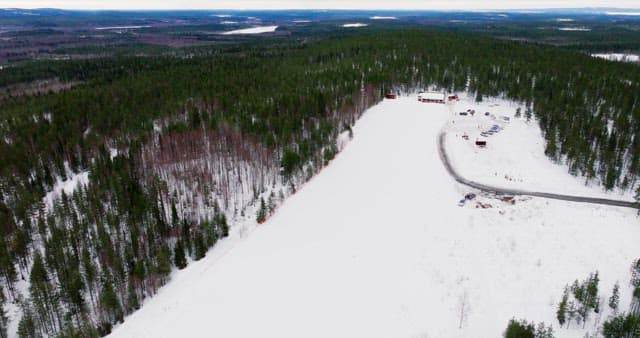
3 317
262 212
27 326
179 258
109 303
614 300
561 313
519 329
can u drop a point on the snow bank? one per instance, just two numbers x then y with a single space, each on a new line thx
253 30
354 25
376 246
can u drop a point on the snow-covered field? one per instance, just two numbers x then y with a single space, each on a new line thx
122 27
623 13
253 30
618 57
377 17
574 29
355 25
376 246
514 156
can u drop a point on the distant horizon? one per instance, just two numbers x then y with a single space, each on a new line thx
531 10
352 5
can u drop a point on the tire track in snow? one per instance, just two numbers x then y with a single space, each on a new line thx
505 191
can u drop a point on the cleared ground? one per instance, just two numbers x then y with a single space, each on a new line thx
376 246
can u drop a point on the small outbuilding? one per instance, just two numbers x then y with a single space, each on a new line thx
431 97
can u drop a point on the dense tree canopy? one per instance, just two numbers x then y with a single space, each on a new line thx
142 127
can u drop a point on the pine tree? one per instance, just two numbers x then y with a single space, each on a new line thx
519 329
614 300
561 313
200 246
179 258
44 297
262 212
27 326
109 303
3 317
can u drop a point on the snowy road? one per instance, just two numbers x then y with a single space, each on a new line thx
503 191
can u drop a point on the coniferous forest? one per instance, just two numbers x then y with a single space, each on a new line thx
176 147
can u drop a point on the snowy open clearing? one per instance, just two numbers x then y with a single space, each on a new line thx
623 13
618 57
376 246
122 27
514 156
574 29
253 30
377 17
354 25
68 186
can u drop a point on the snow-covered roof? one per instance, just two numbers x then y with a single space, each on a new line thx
432 96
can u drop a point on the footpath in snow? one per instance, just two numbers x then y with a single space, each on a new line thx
376 246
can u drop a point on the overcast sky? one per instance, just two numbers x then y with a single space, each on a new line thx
316 4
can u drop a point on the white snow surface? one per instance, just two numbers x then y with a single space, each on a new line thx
377 17
355 25
376 246
618 57
575 29
623 13
514 157
253 30
122 27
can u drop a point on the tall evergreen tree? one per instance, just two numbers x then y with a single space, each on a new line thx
561 312
3 315
614 300
179 258
262 212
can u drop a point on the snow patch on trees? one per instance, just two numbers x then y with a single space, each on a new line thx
67 186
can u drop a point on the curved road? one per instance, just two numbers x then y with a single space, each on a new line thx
505 191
